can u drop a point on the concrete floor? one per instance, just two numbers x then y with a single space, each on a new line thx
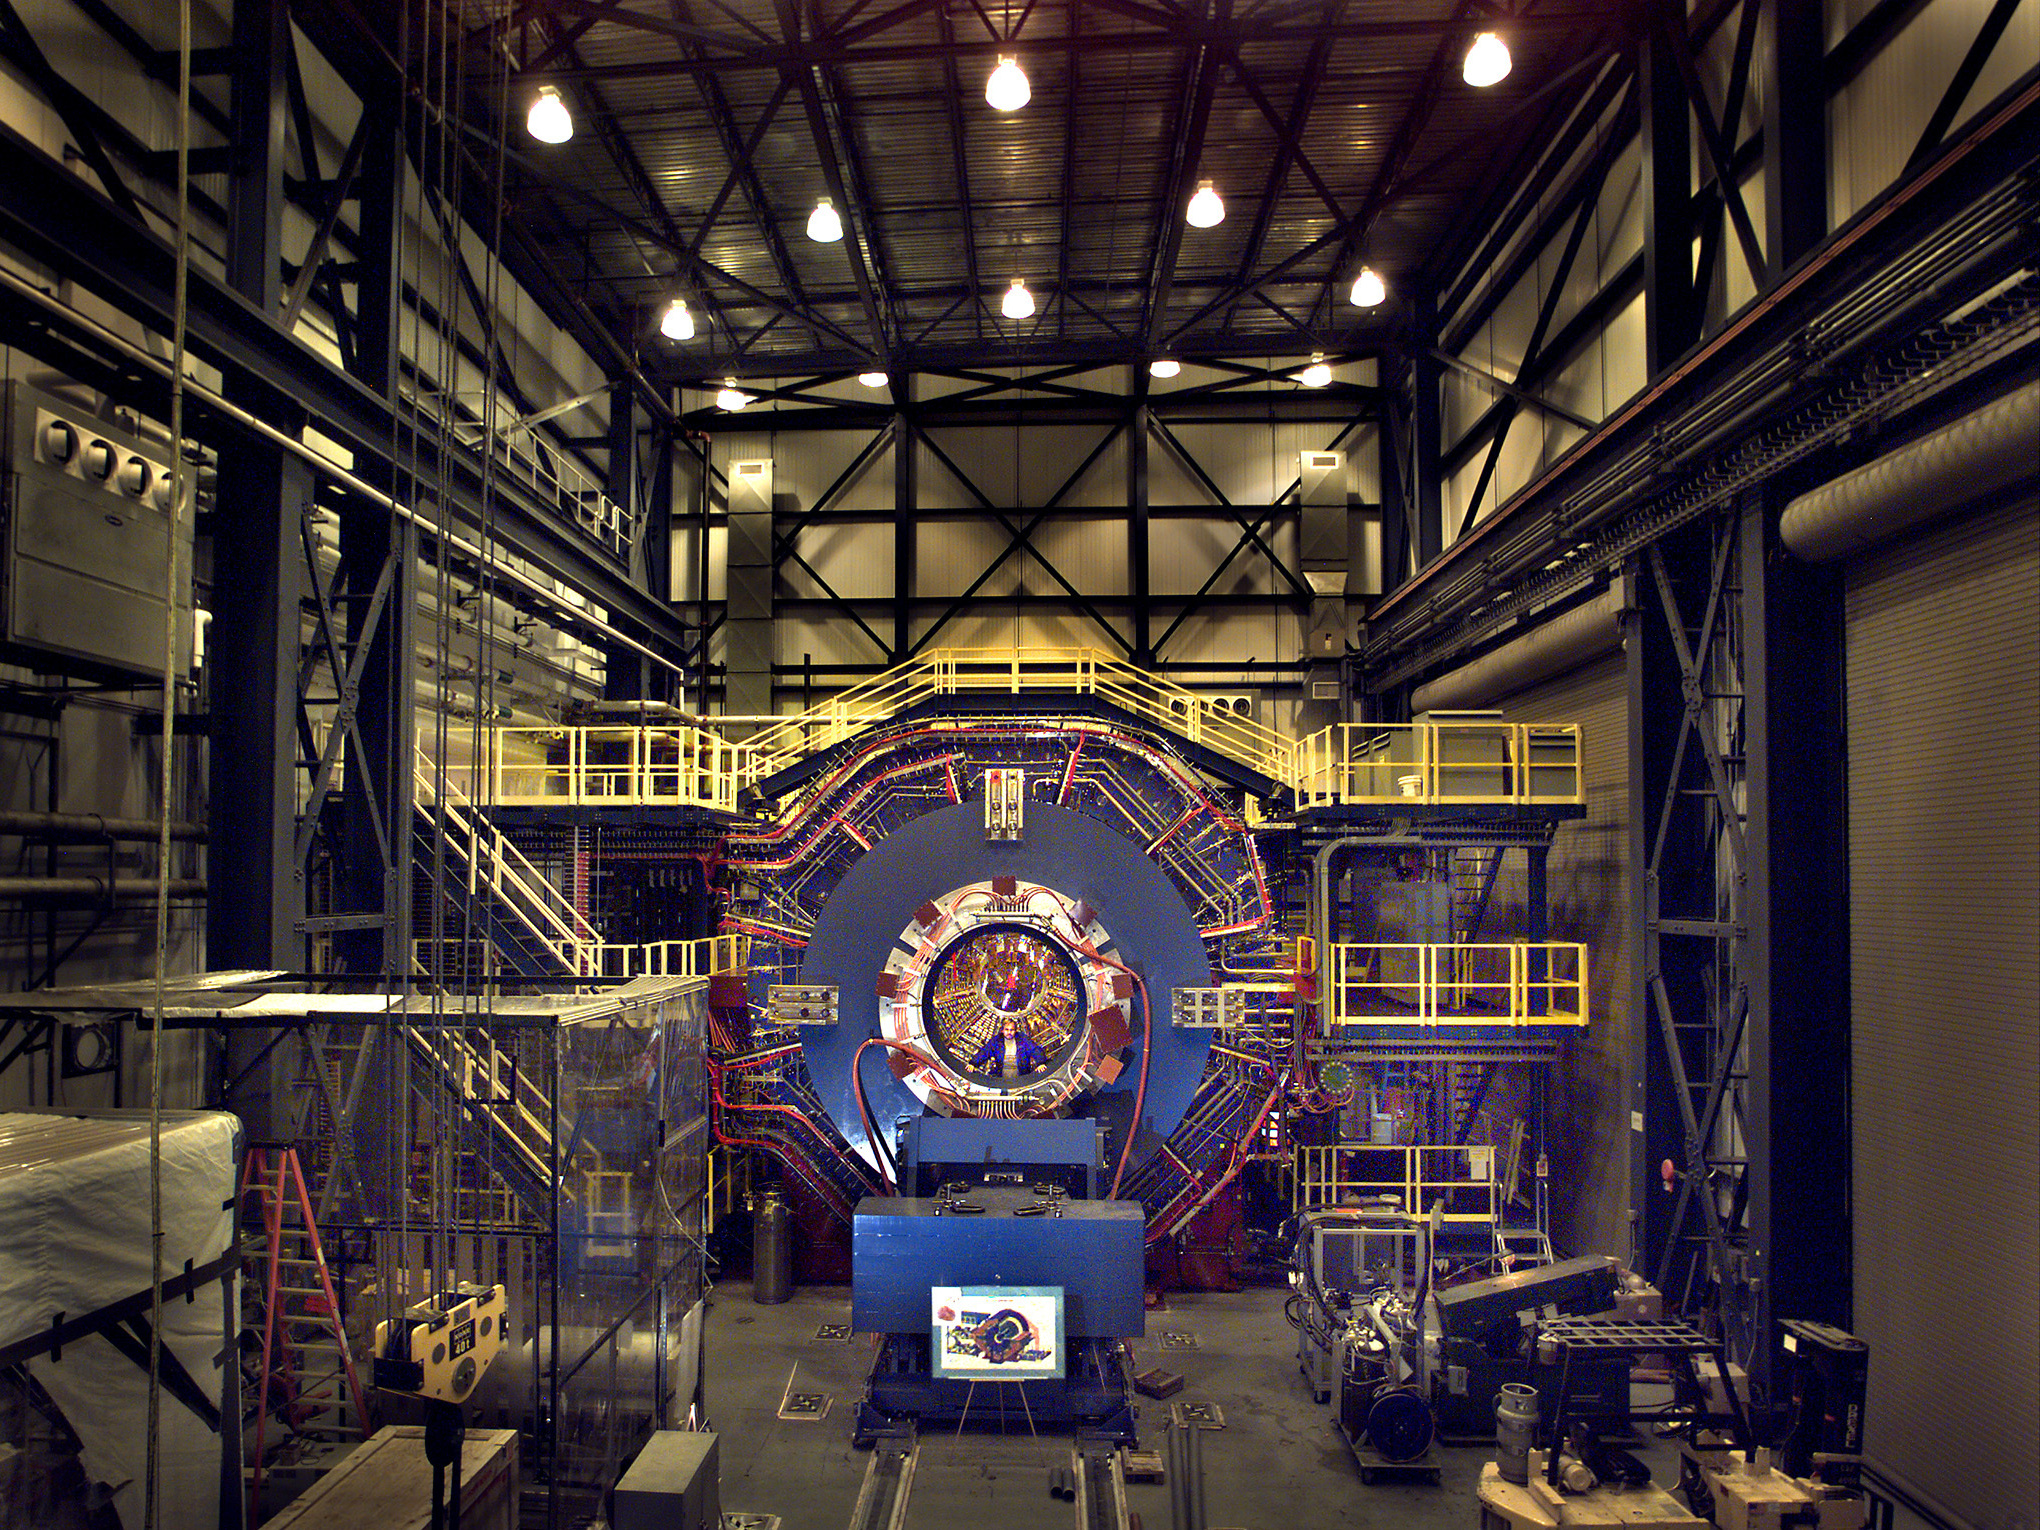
1279 1464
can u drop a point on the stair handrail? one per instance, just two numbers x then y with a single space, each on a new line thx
575 942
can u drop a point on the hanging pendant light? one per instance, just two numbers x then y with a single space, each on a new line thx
1487 61
549 121
825 224
730 398
1007 90
678 323
1164 366
1317 374
1369 290
1019 302
873 379
1206 209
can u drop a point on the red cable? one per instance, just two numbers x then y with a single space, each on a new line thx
864 1106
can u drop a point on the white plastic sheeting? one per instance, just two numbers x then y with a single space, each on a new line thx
75 1237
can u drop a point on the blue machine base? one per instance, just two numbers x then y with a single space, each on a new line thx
1095 1399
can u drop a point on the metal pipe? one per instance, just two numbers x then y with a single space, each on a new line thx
38 891
92 827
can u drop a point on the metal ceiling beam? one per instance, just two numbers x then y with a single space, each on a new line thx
1073 91
1172 32
1201 85
1400 148
738 151
959 160
361 55
823 133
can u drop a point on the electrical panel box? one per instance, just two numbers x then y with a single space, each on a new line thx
671 1486
89 526
1005 799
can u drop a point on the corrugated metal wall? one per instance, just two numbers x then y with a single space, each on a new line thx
1944 906
1589 897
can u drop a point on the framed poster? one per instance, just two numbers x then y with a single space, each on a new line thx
997 1333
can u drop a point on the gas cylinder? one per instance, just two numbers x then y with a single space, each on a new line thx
771 1250
1515 1430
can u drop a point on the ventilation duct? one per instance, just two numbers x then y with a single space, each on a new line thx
1565 642
1997 445
747 630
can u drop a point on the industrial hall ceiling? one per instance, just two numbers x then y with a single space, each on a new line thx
1339 136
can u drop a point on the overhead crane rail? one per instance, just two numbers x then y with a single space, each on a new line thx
708 763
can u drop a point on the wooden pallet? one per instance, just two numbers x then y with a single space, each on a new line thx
387 1485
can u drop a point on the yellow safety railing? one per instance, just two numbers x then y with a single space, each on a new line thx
1019 671
1489 984
1403 1179
618 766
705 957
1449 762
1467 762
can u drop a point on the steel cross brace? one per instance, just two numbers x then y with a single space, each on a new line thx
348 671
1728 1022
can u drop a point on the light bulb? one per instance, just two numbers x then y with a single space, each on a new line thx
1205 209
730 398
678 324
1487 61
1007 90
1164 366
1019 303
873 379
825 224
1316 375
1368 289
549 120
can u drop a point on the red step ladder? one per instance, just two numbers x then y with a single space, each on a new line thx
307 1366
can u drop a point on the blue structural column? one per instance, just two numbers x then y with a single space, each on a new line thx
1671 307
1425 490
1796 950
626 675
906 513
256 893
1138 576
376 545
1792 57
1656 721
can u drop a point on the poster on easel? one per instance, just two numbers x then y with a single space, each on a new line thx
997 1333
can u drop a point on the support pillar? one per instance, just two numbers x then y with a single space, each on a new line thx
906 509
1671 306
626 672
1138 575
1792 56
1426 501
1796 911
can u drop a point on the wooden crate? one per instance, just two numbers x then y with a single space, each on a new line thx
387 1485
